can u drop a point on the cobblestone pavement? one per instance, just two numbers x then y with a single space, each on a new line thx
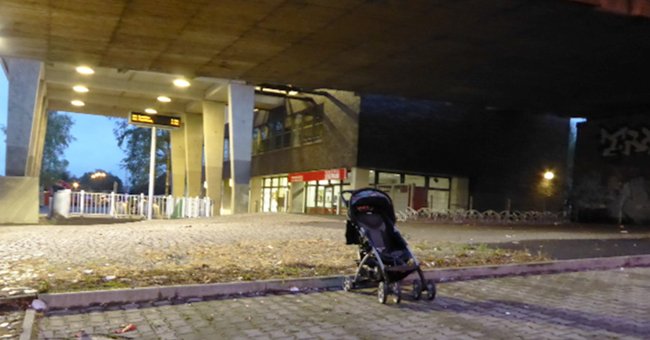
11 324
599 304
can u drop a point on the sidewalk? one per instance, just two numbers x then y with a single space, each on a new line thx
597 304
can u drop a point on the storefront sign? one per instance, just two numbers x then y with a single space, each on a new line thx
320 175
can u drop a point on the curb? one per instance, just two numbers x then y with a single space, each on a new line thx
28 324
198 292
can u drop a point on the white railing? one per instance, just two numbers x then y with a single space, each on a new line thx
84 203
488 216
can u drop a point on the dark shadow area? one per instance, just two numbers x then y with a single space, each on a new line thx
530 313
580 248
524 312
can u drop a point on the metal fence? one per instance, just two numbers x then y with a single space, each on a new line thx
84 203
475 216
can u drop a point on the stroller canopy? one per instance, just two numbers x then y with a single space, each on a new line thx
375 199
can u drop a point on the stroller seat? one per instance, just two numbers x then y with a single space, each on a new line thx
379 235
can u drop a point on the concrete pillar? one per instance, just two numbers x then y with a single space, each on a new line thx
193 153
359 178
240 117
37 143
24 79
177 139
214 116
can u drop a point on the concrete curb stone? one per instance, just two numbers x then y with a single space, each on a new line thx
28 324
198 292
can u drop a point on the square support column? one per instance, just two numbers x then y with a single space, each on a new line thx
214 116
240 116
177 139
24 78
359 178
193 153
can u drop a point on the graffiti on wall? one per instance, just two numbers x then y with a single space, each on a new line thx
625 141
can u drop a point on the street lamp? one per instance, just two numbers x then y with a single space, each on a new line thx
549 175
98 174
75 185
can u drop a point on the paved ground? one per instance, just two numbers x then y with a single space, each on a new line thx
600 304
26 251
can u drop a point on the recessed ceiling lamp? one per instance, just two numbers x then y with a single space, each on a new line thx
80 89
164 99
85 70
150 111
181 82
77 103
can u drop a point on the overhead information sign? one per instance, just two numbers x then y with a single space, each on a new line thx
151 120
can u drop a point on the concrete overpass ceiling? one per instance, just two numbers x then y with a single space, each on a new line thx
556 55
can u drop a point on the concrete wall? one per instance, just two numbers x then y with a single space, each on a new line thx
612 170
19 200
503 153
338 148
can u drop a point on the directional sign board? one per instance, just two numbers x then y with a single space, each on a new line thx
151 120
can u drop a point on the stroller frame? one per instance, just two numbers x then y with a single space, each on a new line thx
374 263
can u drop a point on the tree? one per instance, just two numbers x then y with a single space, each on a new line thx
100 180
57 139
136 143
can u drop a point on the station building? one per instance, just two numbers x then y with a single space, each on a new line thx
423 153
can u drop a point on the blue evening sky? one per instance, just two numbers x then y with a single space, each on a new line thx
94 146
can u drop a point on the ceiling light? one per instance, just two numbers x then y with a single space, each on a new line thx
77 103
164 99
80 89
150 111
181 82
85 70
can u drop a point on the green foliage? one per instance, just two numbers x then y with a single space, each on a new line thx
57 139
135 142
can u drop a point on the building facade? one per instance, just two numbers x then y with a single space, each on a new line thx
423 153
612 183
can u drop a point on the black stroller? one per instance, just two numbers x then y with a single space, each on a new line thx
384 256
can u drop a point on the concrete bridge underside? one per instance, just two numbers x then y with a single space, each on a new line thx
583 57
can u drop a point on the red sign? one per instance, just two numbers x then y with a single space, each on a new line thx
320 175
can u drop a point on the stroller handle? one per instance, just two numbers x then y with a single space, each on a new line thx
344 199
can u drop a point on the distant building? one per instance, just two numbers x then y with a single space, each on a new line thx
423 153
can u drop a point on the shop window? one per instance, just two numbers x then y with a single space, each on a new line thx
439 183
389 178
311 195
324 196
274 194
418 181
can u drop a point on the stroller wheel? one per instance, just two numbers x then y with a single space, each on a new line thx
348 285
431 290
382 292
396 289
417 290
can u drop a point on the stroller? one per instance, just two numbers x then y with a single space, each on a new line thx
384 256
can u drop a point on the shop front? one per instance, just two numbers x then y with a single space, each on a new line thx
318 192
